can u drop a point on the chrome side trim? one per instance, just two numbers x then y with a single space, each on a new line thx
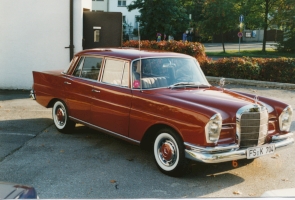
106 131
210 155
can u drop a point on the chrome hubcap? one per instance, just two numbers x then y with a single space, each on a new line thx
60 116
167 153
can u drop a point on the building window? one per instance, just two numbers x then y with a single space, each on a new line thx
121 2
96 35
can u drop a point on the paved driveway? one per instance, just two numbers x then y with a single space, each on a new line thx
89 164
20 120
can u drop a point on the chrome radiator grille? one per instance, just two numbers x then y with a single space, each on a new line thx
252 125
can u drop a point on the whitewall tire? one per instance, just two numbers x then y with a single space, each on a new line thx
60 117
169 153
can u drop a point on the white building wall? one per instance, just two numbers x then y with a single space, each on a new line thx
129 16
79 6
33 37
258 37
100 5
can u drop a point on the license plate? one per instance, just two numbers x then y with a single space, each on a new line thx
255 152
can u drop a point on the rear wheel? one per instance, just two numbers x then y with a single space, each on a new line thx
169 153
61 119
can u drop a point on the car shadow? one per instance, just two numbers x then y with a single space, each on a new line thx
96 159
205 178
14 94
15 133
25 126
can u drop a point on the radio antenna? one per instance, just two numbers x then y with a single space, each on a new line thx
138 36
140 73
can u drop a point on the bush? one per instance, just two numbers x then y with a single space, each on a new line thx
194 49
277 69
232 67
263 69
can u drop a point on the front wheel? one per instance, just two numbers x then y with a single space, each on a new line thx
60 117
169 153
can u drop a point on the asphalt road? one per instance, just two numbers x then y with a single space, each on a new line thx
217 47
89 164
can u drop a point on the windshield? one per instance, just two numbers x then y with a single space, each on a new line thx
167 72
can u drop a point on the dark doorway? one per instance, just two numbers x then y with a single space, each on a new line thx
102 29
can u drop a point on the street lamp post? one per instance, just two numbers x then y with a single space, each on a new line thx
240 34
189 34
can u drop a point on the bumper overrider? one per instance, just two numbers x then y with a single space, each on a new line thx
32 94
233 152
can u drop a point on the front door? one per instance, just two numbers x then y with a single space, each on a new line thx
102 29
112 98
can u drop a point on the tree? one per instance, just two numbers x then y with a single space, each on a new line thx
285 19
164 16
261 14
219 17
253 13
194 8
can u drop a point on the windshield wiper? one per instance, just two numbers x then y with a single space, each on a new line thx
186 84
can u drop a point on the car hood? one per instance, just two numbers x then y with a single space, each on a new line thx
225 102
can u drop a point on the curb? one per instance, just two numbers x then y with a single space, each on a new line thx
252 82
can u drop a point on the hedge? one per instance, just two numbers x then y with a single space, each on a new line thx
263 69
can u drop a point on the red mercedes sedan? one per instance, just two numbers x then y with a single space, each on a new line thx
162 101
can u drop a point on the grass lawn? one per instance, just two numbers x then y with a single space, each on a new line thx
270 53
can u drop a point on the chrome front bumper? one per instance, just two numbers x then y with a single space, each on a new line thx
229 153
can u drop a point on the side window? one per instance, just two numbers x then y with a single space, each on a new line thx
88 67
116 72
125 77
78 69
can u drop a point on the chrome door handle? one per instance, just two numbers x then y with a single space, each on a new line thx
68 83
94 90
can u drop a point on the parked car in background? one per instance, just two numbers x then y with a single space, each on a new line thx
162 101
16 191
286 193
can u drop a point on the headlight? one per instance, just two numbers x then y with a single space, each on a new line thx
285 119
213 128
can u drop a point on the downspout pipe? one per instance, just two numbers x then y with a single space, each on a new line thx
71 29
71 46
108 5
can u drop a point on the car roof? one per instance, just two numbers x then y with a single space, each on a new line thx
130 53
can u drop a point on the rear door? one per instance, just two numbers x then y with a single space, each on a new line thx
78 87
112 97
